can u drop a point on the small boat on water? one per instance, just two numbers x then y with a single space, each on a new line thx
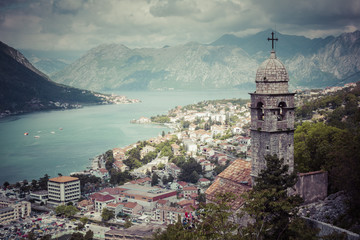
26 133
36 136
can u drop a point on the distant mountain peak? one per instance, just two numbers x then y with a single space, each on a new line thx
26 89
225 63
19 57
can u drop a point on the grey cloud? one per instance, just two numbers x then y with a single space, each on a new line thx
173 8
68 6
82 24
320 13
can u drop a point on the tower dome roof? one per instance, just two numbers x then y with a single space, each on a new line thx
272 70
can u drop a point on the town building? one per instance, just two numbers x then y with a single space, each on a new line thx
169 215
189 190
40 196
12 210
63 189
101 201
144 195
116 208
131 208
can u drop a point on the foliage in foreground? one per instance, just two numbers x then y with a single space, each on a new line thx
272 211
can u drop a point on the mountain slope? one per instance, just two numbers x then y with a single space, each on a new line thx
23 88
228 62
189 66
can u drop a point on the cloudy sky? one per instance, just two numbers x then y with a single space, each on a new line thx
84 24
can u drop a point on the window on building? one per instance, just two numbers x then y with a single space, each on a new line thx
260 110
281 112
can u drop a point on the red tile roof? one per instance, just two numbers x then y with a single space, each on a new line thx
189 188
141 180
113 204
204 180
193 195
63 179
95 195
182 183
184 203
235 179
162 201
104 198
130 204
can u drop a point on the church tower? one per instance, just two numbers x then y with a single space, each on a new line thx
272 115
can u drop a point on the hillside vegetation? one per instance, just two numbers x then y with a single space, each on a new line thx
332 143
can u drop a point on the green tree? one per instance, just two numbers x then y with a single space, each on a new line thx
154 179
70 211
60 210
161 166
31 236
149 157
190 171
107 214
46 237
132 162
84 220
67 210
43 182
214 221
344 175
89 235
194 177
201 198
170 178
269 204
313 144
34 185
25 182
165 180
77 236
185 124
6 184
127 223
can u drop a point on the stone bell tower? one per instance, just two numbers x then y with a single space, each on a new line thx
272 115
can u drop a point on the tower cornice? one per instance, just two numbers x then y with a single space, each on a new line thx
272 94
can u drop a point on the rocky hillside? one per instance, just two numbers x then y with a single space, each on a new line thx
23 88
189 66
226 63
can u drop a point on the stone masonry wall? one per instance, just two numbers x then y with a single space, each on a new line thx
327 229
312 186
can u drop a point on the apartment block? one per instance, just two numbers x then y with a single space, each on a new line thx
63 189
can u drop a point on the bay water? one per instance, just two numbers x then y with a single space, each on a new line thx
65 141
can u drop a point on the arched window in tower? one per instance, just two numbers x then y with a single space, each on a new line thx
281 113
260 110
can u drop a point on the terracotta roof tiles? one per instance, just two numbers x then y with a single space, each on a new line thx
235 179
63 179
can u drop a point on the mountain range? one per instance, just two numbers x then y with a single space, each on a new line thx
23 88
228 62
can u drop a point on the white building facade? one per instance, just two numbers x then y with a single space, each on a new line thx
63 189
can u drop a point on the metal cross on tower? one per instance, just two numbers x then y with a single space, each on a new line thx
272 40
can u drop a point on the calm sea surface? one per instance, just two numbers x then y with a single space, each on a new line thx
66 140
